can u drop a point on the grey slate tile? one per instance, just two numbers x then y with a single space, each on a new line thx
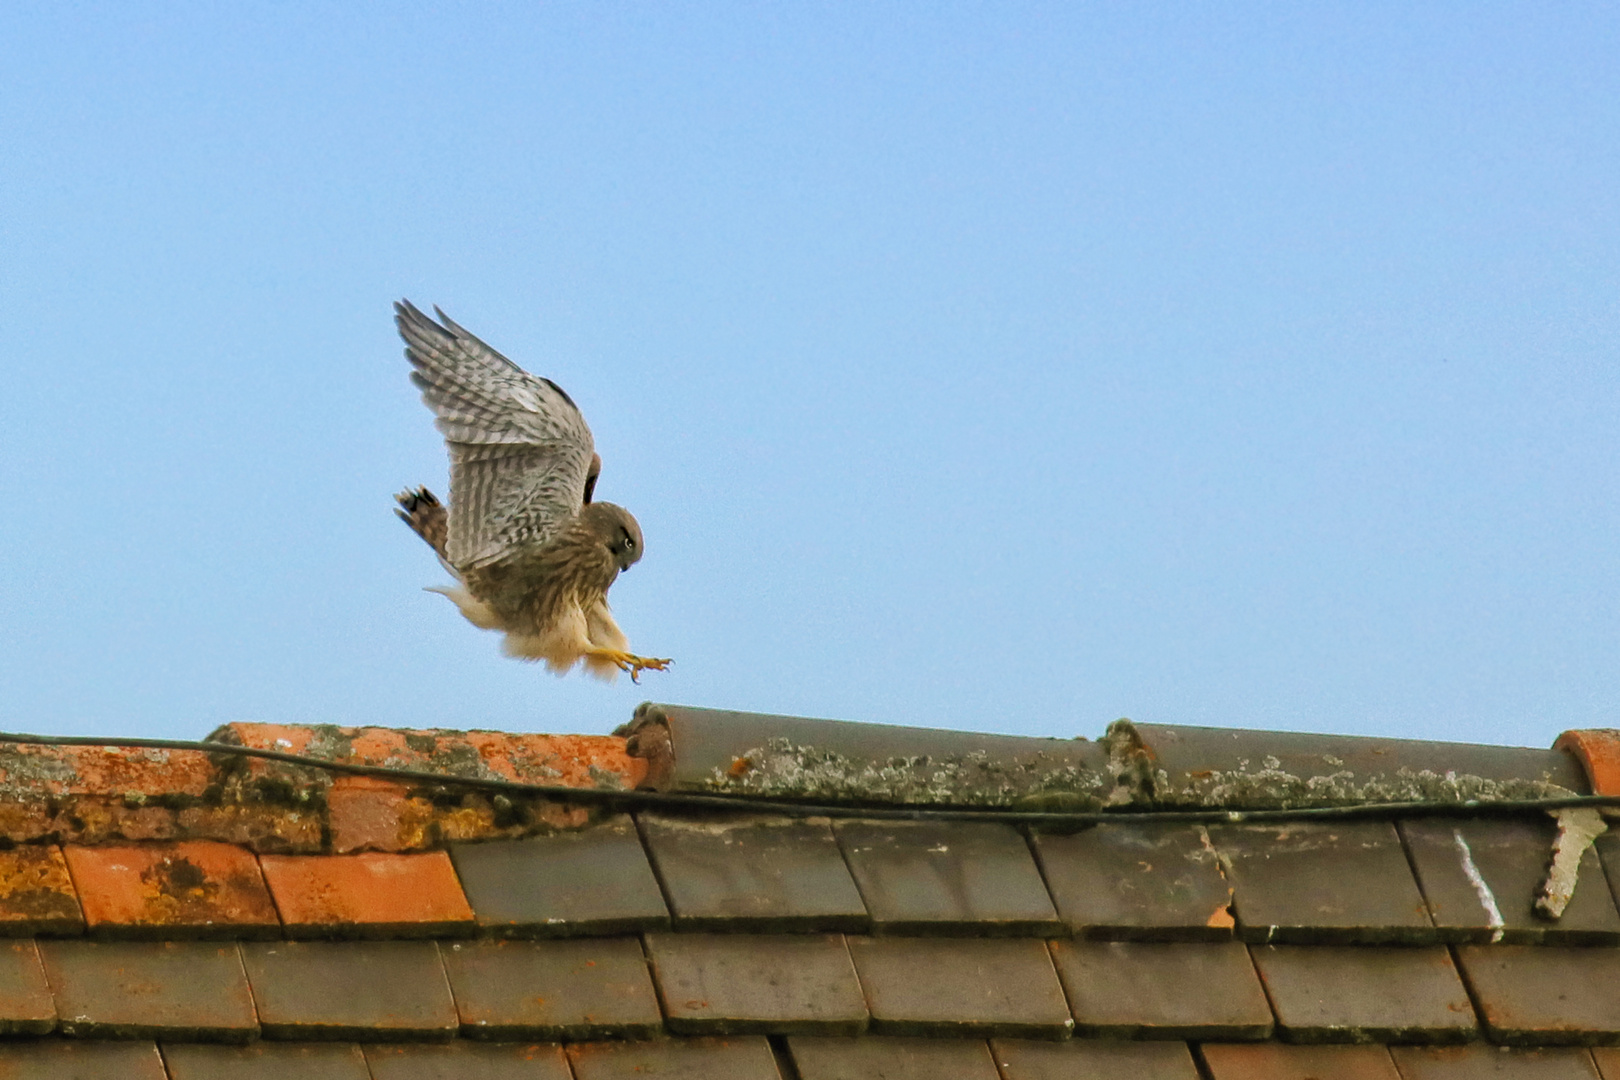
1093 1059
1480 876
584 988
1275 1061
1537 994
753 873
589 881
738 984
190 990
1336 993
1162 990
26 1006
1481 1061
75 1059
925 877
890 1057
1335 882
350 990
1138 881
463 1060
961 986
265 1061
745 1057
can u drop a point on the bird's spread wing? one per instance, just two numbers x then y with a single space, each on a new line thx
520 451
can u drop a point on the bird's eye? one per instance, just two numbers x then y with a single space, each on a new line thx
629 542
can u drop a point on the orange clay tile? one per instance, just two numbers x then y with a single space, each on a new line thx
1598 751
193 888
36 893
369 895
96 770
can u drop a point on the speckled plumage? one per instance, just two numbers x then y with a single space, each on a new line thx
532 555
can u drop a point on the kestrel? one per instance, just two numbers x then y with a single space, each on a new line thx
532 555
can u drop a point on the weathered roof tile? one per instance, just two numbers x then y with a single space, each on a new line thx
753 873
594 880
961 986
745 1057
738 984
36 892
350 990
585 988
1344 881
1140 881
265 1061
81 1059
370 895
947 877
169 891
189 990
1481 1061
1162 990
26 1005
468 1061
1093 1059
891 1058
1530 994
1336 993
1275 1061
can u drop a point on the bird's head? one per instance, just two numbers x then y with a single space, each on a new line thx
615 529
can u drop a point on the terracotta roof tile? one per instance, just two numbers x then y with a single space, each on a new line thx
83 1060
26 1005
36 892
1328 993
265 1061
594 880
947 878
370 895
746 1057
753 873
190 990
588 988
739 984
1607 1059
1162 990
351 990
1142 881
892 1058
966 986
468 1061
1530 994
1093 1059
1275 1061
1481 1061
185 889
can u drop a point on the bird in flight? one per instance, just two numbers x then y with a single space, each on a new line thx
532 555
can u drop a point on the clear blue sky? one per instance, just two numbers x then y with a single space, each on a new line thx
1000 366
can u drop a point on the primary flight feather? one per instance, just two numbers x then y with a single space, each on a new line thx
533 556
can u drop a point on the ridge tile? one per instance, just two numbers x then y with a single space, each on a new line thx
927 877
265 1061
1093 1059
37 894
1482 1061
890 1057
961 986
575 988
1275 1061
1142 881
1480 877
753 873
81 1059
739 984
192 990
351 990
1337 993
462 1060
1530 994
1341 882
373 895
169 891
594 880
746 1057
1162 990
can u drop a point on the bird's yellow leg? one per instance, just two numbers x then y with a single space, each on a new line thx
630 662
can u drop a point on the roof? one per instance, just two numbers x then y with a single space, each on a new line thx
1130 906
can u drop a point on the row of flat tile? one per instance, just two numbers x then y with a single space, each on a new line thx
1420 882
821 984
796 1058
